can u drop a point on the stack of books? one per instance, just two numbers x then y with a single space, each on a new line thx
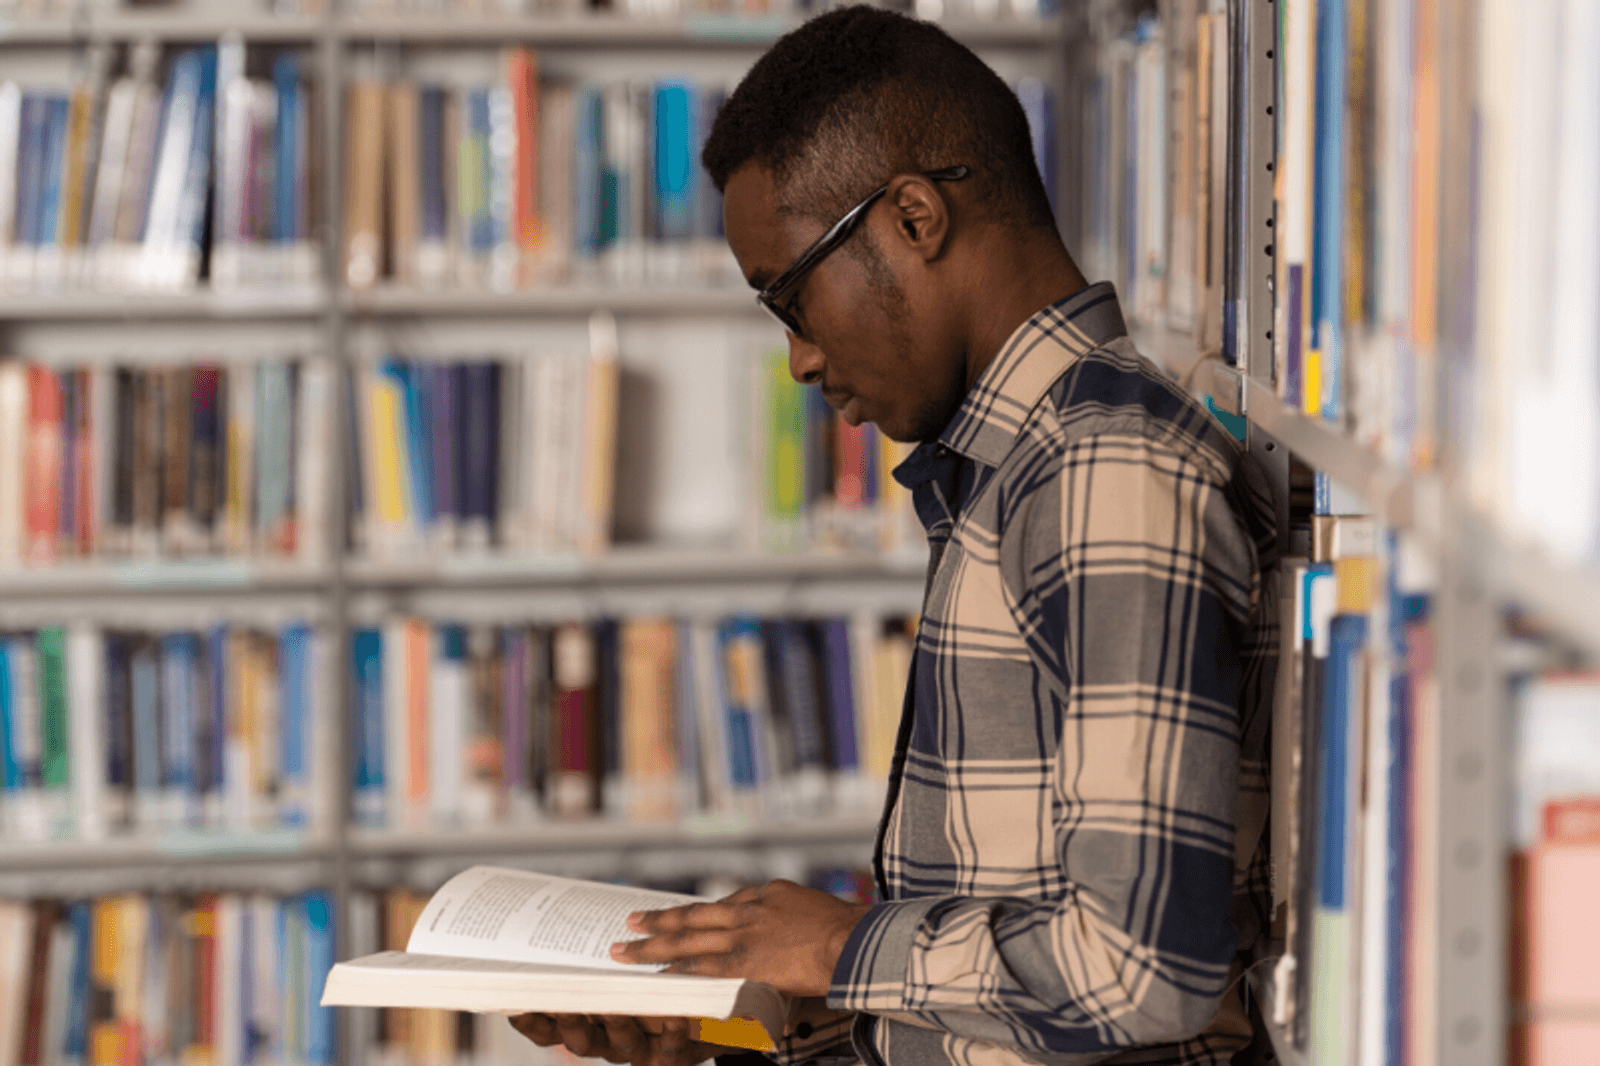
645 719
132 461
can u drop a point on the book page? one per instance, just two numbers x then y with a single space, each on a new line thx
516 916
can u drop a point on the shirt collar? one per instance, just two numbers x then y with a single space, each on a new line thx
1011 386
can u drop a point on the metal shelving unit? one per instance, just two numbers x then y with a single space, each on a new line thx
395 301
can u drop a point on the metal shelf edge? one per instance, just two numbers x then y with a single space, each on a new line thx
599 835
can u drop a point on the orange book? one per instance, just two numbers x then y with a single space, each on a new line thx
418 651
200 923
42 464
522 78
850 478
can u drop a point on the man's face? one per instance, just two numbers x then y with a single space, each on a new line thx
874 335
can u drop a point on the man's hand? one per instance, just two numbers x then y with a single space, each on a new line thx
788 936
635 1041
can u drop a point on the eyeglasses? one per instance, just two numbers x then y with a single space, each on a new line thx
837 234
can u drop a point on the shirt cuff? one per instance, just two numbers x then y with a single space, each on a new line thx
814 1034
872 971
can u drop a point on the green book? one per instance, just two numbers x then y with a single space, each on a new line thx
51 644
786 441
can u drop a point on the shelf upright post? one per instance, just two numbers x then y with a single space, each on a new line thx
330 67
1472 900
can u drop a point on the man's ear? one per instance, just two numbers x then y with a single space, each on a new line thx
920 213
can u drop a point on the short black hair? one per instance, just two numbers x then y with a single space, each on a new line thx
857 95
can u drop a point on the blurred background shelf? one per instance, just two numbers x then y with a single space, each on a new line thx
152 307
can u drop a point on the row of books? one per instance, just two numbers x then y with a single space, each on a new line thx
108 186
138 461
230 979
118 732
1419 224
514 453
816 481
645 719
1355 807
1156 183
518 182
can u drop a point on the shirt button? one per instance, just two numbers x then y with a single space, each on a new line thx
804 1030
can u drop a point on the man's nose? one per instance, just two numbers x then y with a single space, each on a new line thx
805 361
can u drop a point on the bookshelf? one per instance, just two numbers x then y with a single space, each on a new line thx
1479 569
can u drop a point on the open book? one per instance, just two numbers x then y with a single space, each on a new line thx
511 942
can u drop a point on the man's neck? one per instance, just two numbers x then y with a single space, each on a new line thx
1013 284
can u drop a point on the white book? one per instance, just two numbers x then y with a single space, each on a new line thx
236 137
314 453
16 952
509 941
710 708
447 724
10 137
513 504
570 405
360 1025
13 436
58 991
396 728
86 725
504 257
262 1008
229 986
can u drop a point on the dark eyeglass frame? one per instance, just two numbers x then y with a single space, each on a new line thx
836 235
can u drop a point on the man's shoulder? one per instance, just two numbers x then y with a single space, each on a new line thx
1113 391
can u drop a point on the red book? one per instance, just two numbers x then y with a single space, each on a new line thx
42 465
522 78
83 456
576 677
850 480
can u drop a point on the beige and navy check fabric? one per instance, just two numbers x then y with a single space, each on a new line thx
1072 856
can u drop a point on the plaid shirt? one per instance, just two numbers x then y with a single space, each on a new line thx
1072 855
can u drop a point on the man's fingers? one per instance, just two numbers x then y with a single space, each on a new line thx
540 1028
625 1035
580 1035
693 916
670 947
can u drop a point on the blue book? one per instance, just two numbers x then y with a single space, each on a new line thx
30 166
588 156
55 147
287 195
1337 773
474 173
480 442
145 673
11 777
1404 610
217 707
743 744
674 168
433 226
319 957
295 709
834 638
197 181
366 666
1327 220
77 1012
419 452
443 401
178 654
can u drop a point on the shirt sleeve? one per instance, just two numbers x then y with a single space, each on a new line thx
816 1035
1132 579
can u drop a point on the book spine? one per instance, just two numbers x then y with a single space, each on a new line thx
42 478
55 728
15 429
366 655
87 769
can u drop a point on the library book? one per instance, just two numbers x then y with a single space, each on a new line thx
512 942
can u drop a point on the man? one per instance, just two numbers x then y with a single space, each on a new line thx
1071 861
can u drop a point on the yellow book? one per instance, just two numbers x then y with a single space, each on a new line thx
384 437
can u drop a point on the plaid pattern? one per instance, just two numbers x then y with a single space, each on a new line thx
1072 855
